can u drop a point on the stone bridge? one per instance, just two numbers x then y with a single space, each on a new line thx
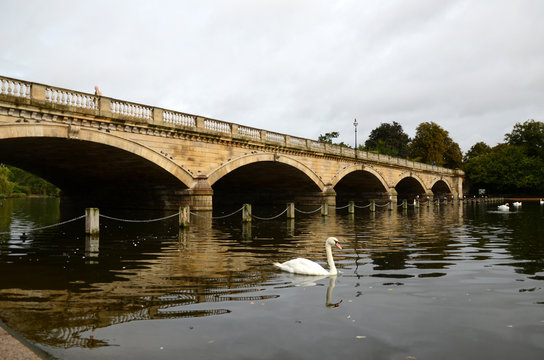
108 152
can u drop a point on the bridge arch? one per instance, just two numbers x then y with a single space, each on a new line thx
266 178
358 182
441 187
87 162
244 160
63 132
410 186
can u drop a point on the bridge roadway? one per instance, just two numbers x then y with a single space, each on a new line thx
107 152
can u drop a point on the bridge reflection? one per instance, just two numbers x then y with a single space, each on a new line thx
198 272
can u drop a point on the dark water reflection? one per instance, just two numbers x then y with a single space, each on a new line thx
454 282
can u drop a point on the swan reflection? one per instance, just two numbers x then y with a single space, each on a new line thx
306 280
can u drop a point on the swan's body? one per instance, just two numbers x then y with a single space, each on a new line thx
517 203
505 207
308 267
541 202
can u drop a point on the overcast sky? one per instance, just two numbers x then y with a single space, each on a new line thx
300 67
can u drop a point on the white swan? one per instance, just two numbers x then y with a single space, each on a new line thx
308 267
541 202
505 207
517 203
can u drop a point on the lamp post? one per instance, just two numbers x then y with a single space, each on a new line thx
355 125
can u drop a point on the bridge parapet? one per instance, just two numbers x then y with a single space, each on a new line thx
50 98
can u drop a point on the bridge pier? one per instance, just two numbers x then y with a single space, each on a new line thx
200 196
393 198
329 195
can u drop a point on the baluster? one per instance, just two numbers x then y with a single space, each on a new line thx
3 89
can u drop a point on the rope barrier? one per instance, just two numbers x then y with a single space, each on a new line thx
384 205
361 207
139 221
216 217
309 212
270 218
342 207
49 226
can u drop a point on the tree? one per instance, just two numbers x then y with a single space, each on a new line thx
507 169
453 157
389 139
27 183
327 138
432 144
530 135
6 186
478 149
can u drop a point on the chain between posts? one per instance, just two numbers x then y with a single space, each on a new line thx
49 226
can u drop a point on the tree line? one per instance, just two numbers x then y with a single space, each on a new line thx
514 167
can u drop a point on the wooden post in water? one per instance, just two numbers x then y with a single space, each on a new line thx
92 221
290 210
404 204
324 209
246 213
184 216
372 206
351 207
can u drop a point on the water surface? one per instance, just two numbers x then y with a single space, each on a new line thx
450 282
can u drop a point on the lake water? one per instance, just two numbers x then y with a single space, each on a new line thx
454 282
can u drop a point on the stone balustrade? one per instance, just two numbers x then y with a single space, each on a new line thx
100 106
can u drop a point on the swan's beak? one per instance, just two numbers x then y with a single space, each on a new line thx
338 245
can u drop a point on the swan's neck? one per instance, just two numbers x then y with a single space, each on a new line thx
330 260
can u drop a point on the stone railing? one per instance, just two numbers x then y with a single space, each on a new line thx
30 93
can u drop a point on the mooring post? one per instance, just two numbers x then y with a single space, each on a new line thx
404 204
324 209
290 210
246 213
351 207
92 221
372 206
184 216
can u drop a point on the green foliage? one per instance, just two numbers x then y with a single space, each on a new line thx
453 157
328 137
478 149
516 167
389 139
529 135
507 169
26 183
6 186
432 144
